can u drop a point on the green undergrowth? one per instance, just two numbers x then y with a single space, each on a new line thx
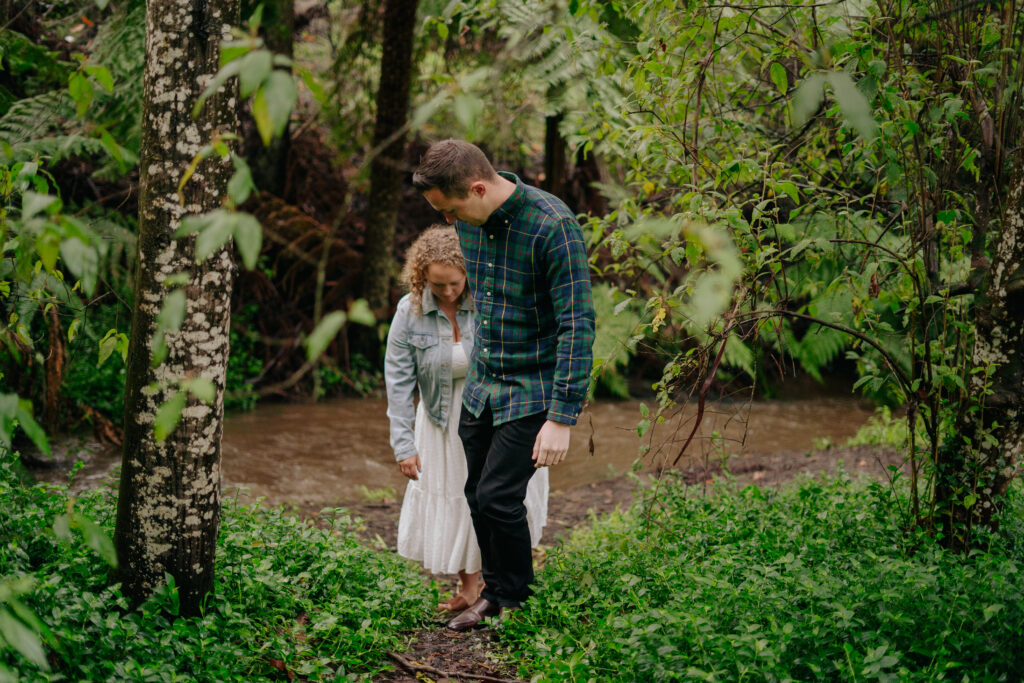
817 581
292 600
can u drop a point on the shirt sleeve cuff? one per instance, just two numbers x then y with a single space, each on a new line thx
564 412
404 454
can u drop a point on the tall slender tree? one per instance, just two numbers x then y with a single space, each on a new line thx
389 137
169 496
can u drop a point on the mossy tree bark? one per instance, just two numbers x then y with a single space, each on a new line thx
388 166
977 467
169 497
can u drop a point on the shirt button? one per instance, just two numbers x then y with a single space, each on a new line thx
490 237
488 293
490 265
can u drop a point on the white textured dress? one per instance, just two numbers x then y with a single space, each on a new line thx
435 527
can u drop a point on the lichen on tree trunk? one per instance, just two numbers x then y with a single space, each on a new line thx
169 495
977 466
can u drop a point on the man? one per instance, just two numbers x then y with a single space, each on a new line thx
527 268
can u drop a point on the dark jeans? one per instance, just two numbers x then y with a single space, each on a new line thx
500 464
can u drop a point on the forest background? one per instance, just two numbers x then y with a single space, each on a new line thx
764 189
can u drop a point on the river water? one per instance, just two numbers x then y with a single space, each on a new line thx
336 452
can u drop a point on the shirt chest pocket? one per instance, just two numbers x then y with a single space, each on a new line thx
422 341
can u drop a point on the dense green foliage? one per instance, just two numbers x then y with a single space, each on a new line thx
290 596
818 581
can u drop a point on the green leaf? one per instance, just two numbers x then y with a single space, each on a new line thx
234 49
33 202
468 109
73 329
83 261
31 427
853 105
201 388
359 312
168 415
788 188
102 4
319 338
113 149
48 249
102 76
248 237
254 68
172 313
177 280
779 77
215 234
62 527
808 97
96 539
107 346
313 84
193 224
23 639
226 72
256 18
81 91
241 183
272 105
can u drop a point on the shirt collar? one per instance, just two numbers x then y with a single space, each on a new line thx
509 209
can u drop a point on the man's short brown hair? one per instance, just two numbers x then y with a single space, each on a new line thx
452 166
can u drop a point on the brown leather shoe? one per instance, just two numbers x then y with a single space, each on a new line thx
471 618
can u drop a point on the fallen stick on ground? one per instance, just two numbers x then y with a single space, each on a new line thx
427 669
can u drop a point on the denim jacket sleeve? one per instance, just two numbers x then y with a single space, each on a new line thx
400 381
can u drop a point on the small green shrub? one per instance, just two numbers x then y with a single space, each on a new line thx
244 366
882 429
290 597
814 582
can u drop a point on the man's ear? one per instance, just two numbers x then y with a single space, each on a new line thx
478 188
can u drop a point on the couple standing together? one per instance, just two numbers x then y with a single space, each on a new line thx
496 333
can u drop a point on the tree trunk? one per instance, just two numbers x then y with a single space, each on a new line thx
556 168
169 499
388 166
975 470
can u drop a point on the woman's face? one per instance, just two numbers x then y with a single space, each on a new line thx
446 282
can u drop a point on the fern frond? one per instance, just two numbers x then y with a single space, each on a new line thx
36 117
59 147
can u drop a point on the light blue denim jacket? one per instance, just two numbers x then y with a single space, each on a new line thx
419 351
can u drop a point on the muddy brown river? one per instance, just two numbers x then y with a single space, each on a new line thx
336 451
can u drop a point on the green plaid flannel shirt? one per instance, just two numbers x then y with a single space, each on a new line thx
528 272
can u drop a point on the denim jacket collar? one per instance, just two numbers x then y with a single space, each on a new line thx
428 304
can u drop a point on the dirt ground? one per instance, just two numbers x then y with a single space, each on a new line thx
437 654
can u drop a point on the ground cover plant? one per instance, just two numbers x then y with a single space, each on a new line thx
291 598
816 581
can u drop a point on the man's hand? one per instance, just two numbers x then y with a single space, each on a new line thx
551 444
410 467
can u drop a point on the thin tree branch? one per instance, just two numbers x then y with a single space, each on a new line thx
890 361
426 668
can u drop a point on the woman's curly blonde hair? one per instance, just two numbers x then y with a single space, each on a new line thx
438 244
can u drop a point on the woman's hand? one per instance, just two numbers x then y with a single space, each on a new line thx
410 467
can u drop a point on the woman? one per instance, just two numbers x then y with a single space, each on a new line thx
429 345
